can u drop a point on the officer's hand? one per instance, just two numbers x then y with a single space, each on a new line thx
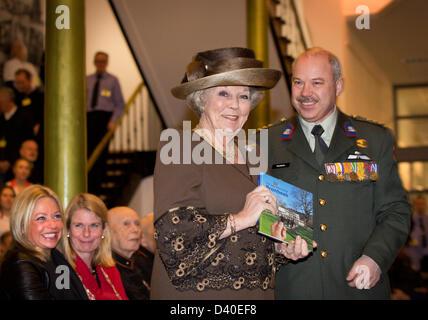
364 274
294 250
278 230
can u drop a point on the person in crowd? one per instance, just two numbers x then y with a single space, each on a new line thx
87 247
30 151
132 260
16 126
205 214
418 244
21 172
361 212
18 61
5 244
32 100
29 270
148 241
7 195
104 106
406 283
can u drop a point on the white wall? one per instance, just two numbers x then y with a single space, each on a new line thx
103 34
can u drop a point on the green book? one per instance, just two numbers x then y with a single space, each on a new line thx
295 211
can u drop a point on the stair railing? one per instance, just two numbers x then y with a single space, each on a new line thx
128 128
287 31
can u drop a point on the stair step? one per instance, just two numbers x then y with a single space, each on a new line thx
108 185
119 161
115 173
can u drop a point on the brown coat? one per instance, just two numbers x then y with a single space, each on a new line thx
191 203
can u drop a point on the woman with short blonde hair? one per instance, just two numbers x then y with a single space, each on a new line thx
29 268
21 215
87 248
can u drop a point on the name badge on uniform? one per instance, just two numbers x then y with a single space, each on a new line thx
288 132
26 102
281 165
106 93
351 171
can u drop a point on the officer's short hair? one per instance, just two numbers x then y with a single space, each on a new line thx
332 59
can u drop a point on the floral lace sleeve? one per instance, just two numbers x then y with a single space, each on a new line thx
187 239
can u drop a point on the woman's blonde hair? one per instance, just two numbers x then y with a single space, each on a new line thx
21 213
90 202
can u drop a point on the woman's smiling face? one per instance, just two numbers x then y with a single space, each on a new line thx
226 108
45 228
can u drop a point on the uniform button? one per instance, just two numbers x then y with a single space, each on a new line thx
321 177
323 227
324 254
322 202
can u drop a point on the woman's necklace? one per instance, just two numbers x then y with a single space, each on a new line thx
111 284
91 296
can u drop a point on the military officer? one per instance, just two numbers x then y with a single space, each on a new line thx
361 211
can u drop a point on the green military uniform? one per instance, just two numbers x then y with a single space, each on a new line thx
366 215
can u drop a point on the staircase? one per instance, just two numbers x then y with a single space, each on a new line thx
287 33
131 152
124 171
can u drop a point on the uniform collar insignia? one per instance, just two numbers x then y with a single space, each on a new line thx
350 130
288 132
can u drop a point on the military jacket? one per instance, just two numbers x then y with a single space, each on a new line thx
355 212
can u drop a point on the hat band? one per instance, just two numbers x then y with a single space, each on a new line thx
198 69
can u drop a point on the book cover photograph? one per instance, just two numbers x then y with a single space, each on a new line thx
295 211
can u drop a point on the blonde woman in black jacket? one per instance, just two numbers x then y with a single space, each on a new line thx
33 269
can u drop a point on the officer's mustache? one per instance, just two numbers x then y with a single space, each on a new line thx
303 99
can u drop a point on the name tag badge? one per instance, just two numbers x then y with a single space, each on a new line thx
106 93
26 102
281 165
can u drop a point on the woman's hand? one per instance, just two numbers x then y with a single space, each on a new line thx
294 250
257 201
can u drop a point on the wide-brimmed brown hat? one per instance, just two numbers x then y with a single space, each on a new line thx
225 67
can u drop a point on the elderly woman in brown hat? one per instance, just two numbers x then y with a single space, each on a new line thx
205 213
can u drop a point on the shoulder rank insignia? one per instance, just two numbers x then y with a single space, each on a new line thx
350 130
356 117
288 132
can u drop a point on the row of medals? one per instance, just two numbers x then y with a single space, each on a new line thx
352 176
